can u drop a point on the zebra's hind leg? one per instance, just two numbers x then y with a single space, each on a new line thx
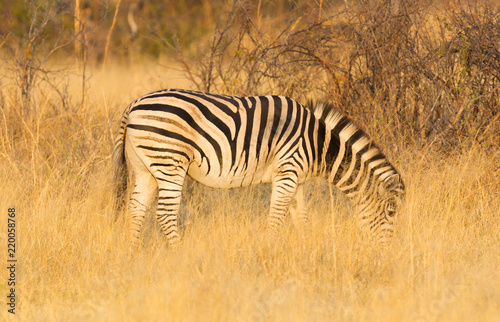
284 187
170 177
142 196
298 210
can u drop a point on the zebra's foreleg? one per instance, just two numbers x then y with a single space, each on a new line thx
298 209
284 187
170 180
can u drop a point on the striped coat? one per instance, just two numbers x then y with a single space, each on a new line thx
227 142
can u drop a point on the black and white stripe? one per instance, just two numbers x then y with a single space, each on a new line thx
228 141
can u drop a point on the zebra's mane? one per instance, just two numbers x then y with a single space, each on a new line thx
325 112
329 114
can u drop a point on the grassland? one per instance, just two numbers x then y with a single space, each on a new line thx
73 261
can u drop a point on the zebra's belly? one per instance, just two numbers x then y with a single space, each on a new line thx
233 179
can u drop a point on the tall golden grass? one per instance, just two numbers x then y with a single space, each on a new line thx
73 261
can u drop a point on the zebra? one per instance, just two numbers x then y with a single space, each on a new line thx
229 141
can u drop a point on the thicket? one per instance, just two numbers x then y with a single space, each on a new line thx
409 72
412 73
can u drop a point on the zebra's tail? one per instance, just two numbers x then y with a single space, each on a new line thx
120 171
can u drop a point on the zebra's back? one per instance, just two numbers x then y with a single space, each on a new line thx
229 141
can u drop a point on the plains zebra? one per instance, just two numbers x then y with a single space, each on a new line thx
228 141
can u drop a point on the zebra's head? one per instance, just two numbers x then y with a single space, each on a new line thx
378 210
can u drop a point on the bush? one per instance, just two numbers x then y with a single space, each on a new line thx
409 72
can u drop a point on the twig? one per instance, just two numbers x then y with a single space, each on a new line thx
108 38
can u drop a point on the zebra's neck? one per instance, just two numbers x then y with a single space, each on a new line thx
350 160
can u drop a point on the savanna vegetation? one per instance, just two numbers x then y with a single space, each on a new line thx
421 77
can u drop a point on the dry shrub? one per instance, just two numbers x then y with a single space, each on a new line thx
411 73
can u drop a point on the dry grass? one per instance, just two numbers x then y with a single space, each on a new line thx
74 265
